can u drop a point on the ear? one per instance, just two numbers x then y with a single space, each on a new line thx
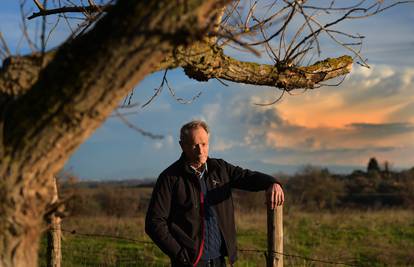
181 144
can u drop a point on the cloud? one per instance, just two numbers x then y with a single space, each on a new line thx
220 144
355 135
403 113
211 112
408 77
166 143
381 130
370 114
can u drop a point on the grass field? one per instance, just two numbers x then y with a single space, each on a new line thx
372 238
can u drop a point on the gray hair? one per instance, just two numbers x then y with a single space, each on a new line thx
186 128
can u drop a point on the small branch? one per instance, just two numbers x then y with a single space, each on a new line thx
379 10
71 9
287 21
335 8
241 43
217 24
32 45
39 5
43 33
91 3
4 47
223 83
347 14
136 128
246 24
179 99
272 103
157 90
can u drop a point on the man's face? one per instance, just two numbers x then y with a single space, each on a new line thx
195 147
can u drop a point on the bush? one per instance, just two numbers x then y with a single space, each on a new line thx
315 188
102 200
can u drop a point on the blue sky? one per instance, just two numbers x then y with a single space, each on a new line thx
370 114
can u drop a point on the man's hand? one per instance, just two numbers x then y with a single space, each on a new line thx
275 195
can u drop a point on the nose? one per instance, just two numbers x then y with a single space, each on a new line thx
198 149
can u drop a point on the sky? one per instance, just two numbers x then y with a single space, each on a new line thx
371 114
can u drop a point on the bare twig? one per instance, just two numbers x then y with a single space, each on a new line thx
217 24
157 90
331 8
345 45
288 19
39 5
43 32
307 19
52 29
179 99
223 83
138 129
379 10
274 102
335 84
71 9
236 40
291 56
249 15
25 32
6 51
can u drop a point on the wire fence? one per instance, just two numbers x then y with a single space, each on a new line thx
93 252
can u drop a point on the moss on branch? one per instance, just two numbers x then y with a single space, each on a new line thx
203 61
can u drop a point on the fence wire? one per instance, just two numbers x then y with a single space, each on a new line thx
141 258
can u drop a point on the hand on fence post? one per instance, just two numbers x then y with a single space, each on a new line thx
275 196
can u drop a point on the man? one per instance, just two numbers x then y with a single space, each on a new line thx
190 215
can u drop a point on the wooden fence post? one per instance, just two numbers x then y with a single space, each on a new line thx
54 253
274 236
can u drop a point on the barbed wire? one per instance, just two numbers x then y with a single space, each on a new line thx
115 257
264 252
109 236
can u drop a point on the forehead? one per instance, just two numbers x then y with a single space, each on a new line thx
197 135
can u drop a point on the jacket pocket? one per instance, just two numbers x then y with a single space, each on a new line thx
183 239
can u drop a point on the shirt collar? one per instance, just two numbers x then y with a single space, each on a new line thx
199 174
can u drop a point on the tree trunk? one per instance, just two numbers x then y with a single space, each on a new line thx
22 207
86 79
54 234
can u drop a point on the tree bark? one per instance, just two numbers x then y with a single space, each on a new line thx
203 61
41 125
54 234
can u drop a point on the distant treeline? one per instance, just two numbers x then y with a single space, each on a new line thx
312 188
316 188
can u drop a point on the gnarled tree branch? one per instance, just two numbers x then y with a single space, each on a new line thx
203 61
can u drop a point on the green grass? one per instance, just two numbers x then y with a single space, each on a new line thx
88 251
374 238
